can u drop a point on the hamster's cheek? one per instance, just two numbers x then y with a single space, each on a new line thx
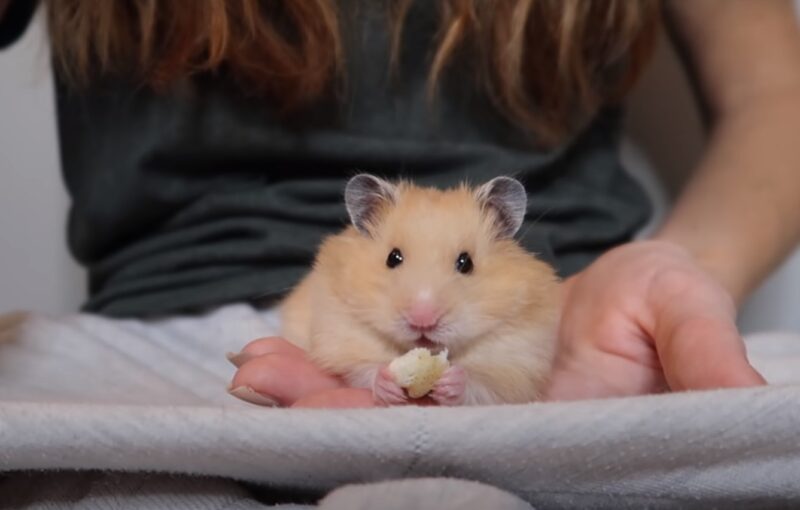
472 325
382 318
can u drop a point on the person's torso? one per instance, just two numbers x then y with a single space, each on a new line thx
203 195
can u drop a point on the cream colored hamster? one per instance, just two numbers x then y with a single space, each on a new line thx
422 267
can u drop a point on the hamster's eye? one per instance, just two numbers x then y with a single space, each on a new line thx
395 259
464 263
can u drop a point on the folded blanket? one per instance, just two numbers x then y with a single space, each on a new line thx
85 392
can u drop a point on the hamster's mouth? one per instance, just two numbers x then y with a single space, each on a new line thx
429 344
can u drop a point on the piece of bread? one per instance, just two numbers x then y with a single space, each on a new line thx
418 370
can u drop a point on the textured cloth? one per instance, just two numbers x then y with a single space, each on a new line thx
200 196
103 490
422 494
90 393
97 490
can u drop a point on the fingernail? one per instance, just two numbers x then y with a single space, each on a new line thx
248 394
238 358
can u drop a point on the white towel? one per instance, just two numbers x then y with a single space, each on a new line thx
85 392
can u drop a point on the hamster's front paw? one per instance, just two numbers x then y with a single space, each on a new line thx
385 389
451 387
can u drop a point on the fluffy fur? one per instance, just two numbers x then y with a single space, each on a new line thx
499 322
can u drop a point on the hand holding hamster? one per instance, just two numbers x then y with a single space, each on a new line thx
623 331
646 317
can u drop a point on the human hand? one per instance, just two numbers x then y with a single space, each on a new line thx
645 318
272 371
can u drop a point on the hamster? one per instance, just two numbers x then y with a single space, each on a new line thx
423 267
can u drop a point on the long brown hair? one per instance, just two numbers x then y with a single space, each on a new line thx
545 63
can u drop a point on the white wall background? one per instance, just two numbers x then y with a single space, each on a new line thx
36 272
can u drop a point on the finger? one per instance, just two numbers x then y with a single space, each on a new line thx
284 378
705 352
261 346
592 373
695 334
337 398
248 394
388 399
391 389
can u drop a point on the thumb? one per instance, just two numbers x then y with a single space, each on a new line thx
704 352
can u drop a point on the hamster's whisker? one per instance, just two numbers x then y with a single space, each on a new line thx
535 222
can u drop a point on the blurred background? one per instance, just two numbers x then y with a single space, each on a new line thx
664 141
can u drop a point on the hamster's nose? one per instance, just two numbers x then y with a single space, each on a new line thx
423 316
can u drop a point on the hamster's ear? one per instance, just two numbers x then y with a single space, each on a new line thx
506 197
364 196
